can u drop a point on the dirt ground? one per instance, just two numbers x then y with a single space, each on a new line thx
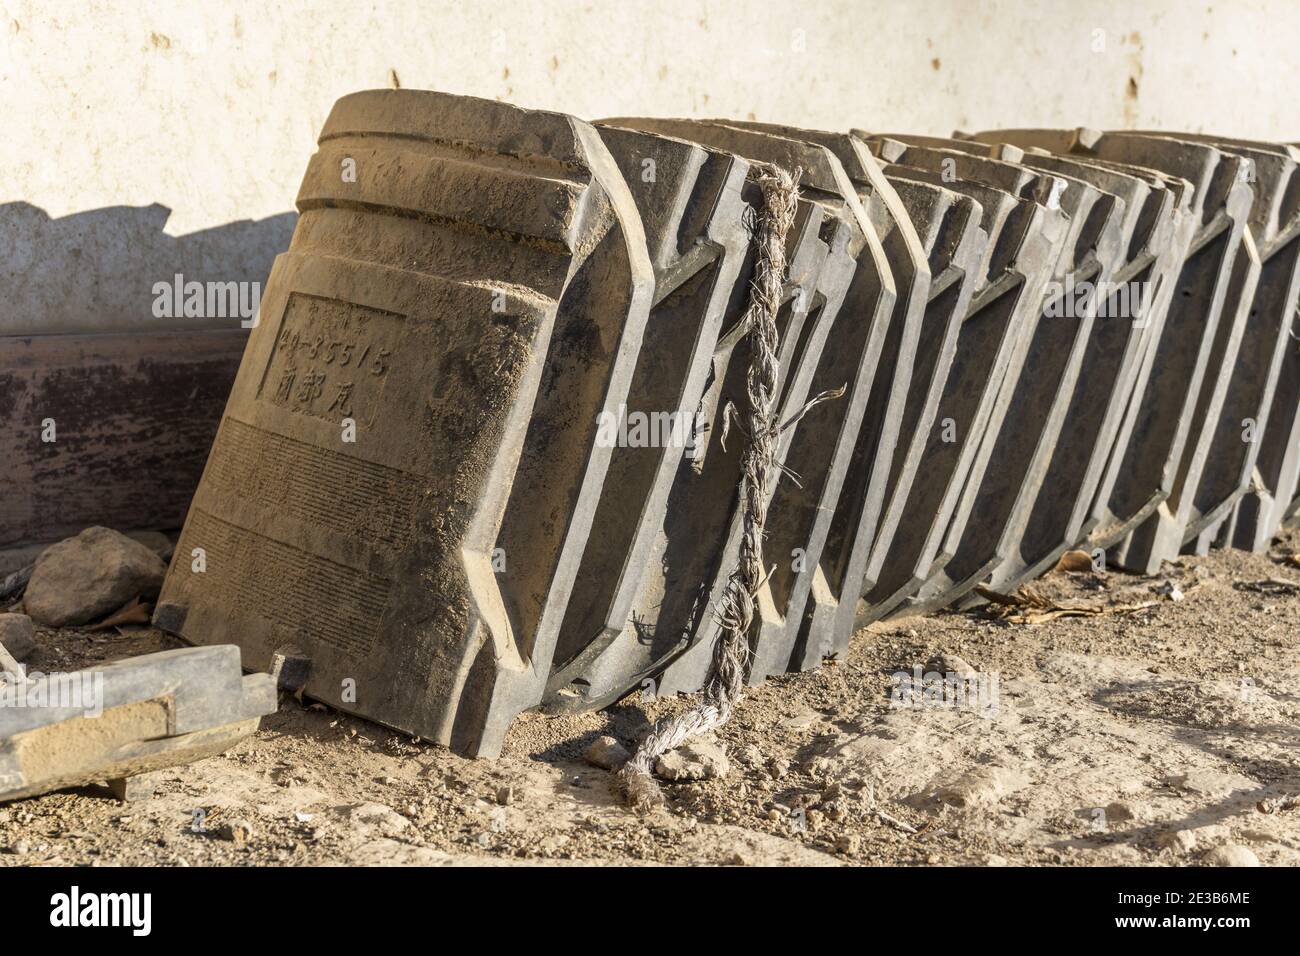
1156 733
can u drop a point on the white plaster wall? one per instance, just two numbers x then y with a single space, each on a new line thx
144 138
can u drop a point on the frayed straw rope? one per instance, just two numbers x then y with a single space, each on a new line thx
735 610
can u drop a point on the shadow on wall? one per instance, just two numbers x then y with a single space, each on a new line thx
96 270
110 421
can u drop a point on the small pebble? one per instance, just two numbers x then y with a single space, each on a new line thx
607 754
238 832
848 843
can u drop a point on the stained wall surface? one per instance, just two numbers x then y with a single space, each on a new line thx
145 139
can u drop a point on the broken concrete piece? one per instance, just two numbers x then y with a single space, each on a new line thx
125 719
85 577
290 669
17 635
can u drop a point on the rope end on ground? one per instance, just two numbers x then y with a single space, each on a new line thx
641 791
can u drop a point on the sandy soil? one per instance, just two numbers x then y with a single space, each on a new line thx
1150 736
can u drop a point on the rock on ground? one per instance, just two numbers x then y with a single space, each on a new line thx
18 635
370 817
982 787
1231 854
1179 841
607 753
693 761
81 579
947 663
239 832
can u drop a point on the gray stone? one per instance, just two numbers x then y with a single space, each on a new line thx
81 579
947 663
17 635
